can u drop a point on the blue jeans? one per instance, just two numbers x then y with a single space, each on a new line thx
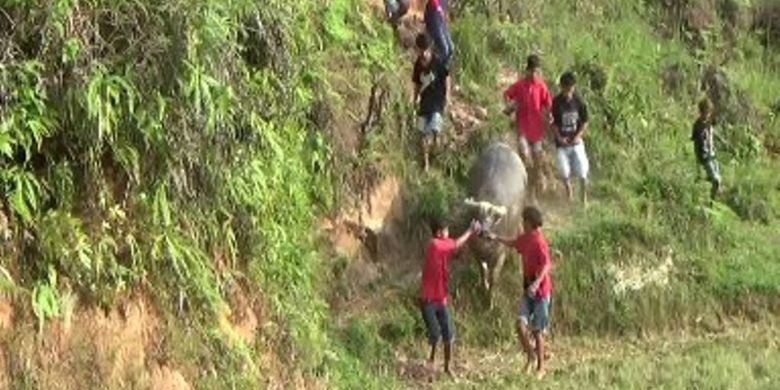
535 312
437 320
437 29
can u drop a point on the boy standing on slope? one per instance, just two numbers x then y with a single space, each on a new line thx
704 145
431 89
530 99
537 285
435 280
570 120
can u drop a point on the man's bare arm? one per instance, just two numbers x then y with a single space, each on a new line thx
558 133
581 131
463 238
503 240
545 270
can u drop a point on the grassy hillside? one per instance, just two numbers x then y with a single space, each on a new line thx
652 254
187 152
169 149
643 88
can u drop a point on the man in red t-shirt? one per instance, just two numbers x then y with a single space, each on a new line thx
435 279
530 99
537 285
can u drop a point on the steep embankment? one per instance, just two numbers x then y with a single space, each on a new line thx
167 167
168 159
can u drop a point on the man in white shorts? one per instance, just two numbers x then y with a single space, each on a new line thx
570 120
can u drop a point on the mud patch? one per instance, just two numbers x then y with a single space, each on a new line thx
243 319
466 120
94 349
5 381
415 371
166 378
365 226
6 315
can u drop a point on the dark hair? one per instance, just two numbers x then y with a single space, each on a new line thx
438 224
533 216
533 62
568 80
705 106
423 42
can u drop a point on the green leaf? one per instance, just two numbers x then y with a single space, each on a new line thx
6 145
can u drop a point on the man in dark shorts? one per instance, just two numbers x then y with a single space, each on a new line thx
533 320
704 145
570 120
431 89
435 280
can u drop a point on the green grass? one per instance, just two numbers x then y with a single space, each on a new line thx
727 363
651 202
180 166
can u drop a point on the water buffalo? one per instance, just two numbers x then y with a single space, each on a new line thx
496 191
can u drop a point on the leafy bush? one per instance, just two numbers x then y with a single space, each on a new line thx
432 197
362 341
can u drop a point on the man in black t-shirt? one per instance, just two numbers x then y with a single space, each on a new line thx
570 120
704 145
431 84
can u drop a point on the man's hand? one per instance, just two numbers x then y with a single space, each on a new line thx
475 227
510 107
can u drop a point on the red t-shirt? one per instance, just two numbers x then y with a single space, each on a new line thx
536 254
531 96
435 276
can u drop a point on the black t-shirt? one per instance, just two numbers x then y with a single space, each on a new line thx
432 81
569 114
703 144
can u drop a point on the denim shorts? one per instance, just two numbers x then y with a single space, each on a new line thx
535 311
430 124
438 321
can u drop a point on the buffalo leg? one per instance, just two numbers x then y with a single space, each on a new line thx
494 274
485 273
